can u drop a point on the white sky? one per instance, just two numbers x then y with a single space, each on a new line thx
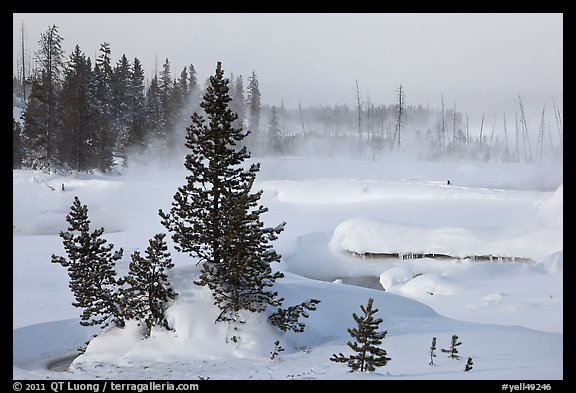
477 60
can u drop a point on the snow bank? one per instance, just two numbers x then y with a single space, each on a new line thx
196 336
34 346
551 209
554 264
363 235
395 276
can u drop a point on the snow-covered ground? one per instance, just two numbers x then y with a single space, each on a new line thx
508 315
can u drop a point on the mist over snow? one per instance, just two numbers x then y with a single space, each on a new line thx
509 315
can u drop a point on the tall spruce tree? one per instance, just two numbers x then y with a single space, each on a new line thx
197 218
148 292
253 107
274 133
240 280
16 145
153 110
237 105
76 143
137 105
91 268
216 218
104 137
366 345
40 117
120 104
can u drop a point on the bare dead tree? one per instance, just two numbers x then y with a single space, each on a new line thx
399 113
525 135
467 131
454 123
505 130
491 136
517 138
558 121
443 134
540 143
303 126
359 105
481 127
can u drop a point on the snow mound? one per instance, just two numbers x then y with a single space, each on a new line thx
431 285
196 336
551 210
554 264
395 276
370 236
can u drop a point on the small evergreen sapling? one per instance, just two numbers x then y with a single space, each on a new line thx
468 365
453 350
366 345
432 351
91 268
149 291
277 349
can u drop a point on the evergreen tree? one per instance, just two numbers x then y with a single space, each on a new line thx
274 133
366 345
289 318
197 218
432 351
91 268
154 117
468 365
120 101
253 107
35 121
240 280
183 84
104 138
192 80
237 105
40 119
16 145
277 349
76 143
149 291
137 129
453 350
216 218
165 86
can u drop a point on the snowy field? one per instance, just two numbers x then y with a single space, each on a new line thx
346 221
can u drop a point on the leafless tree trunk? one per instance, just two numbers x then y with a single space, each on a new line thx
454 123
400 112
505 130
491 136
303 127
359 103
481 128
525 135
517 139
443 135
540 143
558 121
467 130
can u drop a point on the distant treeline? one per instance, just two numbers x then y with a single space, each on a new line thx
81 116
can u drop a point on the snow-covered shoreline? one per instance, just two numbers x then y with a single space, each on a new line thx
509 316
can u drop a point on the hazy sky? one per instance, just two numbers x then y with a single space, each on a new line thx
477 60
